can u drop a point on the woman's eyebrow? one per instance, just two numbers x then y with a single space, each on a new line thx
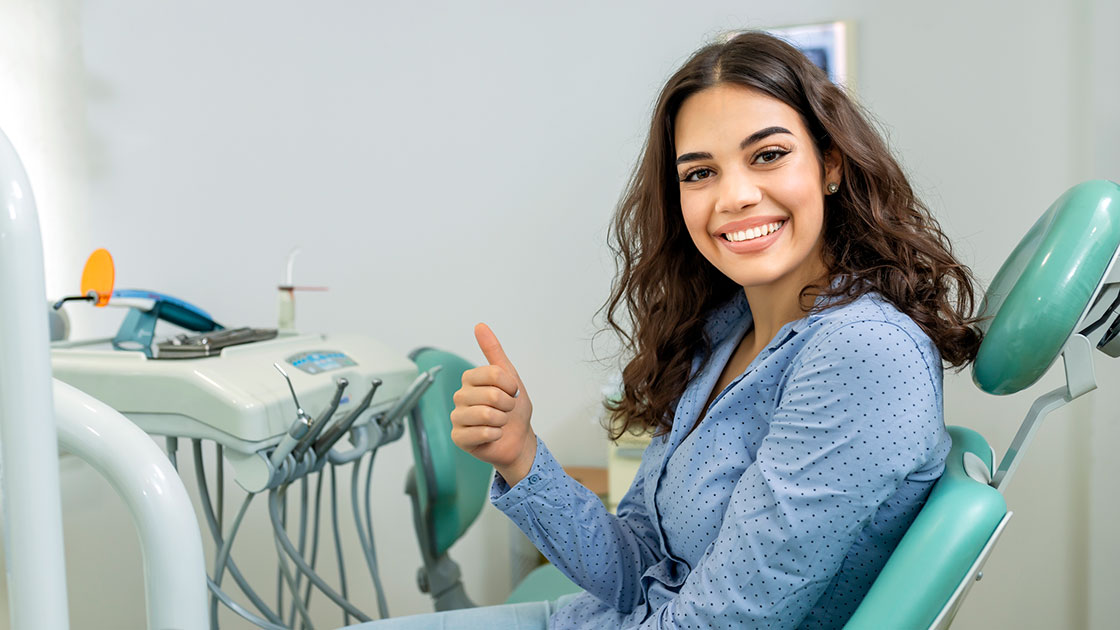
762 133
748 141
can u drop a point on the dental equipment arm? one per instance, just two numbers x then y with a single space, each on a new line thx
319 423
386 431
410 398
335 433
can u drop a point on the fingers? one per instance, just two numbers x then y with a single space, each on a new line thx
469 438
485 395
491 376
477 416
492 349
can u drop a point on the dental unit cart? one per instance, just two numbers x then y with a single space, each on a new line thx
236 397
246 390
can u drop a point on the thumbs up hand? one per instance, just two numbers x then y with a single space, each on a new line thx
492 410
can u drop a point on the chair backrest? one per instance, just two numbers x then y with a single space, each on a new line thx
1059 277
452 486
942 545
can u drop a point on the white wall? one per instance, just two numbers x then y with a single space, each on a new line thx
448 163
42 111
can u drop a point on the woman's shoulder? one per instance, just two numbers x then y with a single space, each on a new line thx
871 320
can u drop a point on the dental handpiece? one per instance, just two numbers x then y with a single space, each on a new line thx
335 433
411 397
298 429
319 423
287 443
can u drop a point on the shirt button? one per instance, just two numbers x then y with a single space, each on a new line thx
534 478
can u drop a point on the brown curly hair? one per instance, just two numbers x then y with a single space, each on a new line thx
878 236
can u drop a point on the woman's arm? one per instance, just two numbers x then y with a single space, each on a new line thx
603 553
858 414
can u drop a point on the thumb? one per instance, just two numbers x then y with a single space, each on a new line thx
492 349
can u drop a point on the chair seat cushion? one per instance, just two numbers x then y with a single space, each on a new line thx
544 583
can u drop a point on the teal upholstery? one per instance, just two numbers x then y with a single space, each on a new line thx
940 546
1045 287
544 583
1031 308
451 486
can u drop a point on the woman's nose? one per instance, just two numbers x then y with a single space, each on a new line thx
738 190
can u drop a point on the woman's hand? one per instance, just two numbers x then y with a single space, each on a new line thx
492 410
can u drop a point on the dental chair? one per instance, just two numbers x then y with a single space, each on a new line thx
448 488
1058 294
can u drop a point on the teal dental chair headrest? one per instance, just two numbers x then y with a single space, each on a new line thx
1047 286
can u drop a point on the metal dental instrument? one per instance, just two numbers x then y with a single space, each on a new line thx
296 432
410 398
89 297
319 423
299 410
339 429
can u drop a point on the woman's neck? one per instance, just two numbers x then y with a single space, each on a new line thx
776 304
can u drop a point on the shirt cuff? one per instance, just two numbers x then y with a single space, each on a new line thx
545 468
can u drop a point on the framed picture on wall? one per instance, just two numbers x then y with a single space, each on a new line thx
828 45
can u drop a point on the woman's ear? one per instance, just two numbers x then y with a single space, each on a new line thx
833 167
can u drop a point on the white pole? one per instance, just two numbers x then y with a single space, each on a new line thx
174 567
28 440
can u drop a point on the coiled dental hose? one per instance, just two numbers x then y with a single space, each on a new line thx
367 541
283 542
315 536
382 606
215 532
338 542
277 503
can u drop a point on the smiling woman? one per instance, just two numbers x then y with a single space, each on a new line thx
781 144
741 196
789 304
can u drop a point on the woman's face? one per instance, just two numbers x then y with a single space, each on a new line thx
752 186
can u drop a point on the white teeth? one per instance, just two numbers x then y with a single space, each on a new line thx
753 233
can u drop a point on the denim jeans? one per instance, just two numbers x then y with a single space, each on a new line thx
525 616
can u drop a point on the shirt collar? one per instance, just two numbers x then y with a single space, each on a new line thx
735 315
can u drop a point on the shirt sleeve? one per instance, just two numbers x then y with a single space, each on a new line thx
859 412
603 553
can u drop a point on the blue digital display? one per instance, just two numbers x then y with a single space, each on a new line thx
319 361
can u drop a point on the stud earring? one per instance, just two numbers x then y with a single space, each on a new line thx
833 187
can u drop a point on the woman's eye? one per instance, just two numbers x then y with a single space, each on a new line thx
769 155
697 175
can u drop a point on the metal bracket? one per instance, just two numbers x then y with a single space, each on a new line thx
1078 359
1080 379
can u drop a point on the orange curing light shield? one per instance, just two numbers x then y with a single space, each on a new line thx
98 276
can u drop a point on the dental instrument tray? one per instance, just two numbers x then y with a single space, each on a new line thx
210 343
234 395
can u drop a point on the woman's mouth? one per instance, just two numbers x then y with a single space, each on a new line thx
753 239
753 233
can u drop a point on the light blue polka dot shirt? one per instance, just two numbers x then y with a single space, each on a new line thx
781 507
